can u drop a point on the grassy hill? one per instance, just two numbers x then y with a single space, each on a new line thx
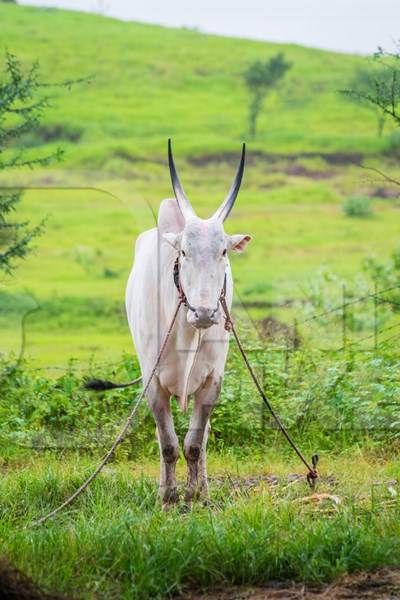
150 83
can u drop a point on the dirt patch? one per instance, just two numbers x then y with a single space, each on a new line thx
291 168
301 171
331 158
132 159
14 585
380 585
248 484
53 133
385 193
274 330
264 303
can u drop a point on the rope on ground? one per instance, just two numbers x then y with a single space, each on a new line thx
122 434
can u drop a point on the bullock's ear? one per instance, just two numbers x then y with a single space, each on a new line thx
237 243
174 239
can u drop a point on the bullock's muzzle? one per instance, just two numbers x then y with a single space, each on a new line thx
203 317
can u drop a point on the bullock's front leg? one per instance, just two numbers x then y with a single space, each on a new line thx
203 481
196 437
159 402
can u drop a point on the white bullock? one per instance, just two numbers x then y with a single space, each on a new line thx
194 360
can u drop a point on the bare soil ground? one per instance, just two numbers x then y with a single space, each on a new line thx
381 585
332 158
255 481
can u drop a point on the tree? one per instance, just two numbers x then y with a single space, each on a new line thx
379 86
384 94
366 79
22 102
260 78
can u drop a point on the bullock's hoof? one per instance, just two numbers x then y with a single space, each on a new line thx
191 493
186 508
170 497
204 494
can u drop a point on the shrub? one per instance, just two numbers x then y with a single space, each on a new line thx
357 207
316 393
392 145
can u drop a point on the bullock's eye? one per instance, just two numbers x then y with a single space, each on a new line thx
224 252
183 253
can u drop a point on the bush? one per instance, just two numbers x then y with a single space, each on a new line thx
386 277
317 394
392 145
357 207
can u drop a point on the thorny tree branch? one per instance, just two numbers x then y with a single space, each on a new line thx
382 174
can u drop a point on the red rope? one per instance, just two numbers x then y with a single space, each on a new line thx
312 474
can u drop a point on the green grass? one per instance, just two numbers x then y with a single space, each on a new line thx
116 543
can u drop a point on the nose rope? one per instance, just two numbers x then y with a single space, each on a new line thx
177 282
182 294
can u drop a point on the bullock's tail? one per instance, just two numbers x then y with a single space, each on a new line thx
100 385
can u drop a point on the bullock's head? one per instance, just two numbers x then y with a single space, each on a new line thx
203 248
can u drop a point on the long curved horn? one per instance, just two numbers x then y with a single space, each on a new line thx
183 203
223 212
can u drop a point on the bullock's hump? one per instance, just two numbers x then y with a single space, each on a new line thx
170 219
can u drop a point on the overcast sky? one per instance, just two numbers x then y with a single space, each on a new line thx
344 25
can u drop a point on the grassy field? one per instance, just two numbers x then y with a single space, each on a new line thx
151 82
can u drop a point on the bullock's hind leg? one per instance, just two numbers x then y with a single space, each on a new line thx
196 437
159 402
